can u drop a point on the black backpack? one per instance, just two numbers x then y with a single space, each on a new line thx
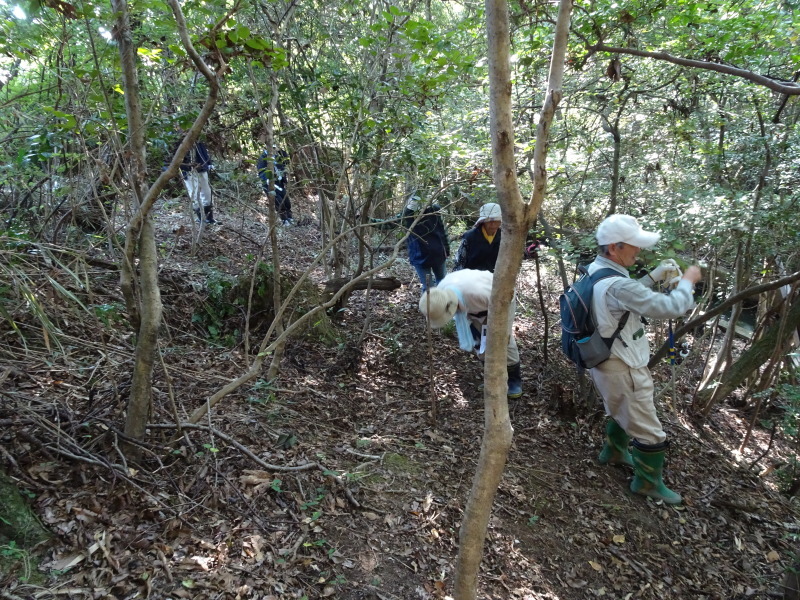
580 341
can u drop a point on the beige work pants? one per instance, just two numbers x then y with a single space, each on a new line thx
512 351
628 398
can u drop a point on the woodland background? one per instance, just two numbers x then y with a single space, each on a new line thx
249 411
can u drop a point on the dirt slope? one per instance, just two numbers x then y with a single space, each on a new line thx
350 490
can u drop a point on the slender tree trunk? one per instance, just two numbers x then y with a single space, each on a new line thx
144 304
150 308
613 202
517 217
140 283
136 166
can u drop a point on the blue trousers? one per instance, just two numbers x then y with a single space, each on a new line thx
437 273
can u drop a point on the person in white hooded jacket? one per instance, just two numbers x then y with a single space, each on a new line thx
464 296
624 381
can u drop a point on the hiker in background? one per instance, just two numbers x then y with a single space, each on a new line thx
464 295
283 205
624 381
481 244
428 245
194 168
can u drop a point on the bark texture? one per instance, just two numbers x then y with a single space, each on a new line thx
517 218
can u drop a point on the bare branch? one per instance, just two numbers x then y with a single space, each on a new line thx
790 89
749 292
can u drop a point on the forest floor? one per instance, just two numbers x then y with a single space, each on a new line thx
350 488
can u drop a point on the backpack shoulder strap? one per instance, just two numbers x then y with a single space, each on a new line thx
606 273
618 330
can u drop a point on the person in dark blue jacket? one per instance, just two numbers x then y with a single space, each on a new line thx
481 244
428 245
283 206
194 168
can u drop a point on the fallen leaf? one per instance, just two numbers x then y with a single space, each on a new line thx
773 556
596 565
618 539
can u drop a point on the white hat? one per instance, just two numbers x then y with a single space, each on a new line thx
489 212
413 203
624 228
444 304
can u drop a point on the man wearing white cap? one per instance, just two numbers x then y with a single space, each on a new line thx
481 244
464 295
624 381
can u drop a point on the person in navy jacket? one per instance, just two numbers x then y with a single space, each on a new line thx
194 168
279 159
428 245
481 244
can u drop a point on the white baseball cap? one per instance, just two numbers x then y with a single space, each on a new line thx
489 212
624 228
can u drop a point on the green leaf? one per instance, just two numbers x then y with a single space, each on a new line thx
255 43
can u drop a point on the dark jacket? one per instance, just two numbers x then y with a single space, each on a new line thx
428 244
477 253
196 159
264 172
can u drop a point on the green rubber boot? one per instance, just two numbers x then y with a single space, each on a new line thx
615 448
648 467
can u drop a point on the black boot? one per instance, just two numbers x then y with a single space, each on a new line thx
209 211
514 381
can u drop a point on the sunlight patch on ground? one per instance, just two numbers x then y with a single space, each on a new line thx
724 421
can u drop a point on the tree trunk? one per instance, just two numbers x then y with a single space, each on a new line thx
517 218
147 341
753 358
139 282
144 304
615 135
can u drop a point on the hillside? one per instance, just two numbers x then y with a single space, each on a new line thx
336 481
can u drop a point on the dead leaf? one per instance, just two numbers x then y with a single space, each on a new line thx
773 556
68 562
618 539
596 565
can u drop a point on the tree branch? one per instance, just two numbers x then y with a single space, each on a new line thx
751 291
790 89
